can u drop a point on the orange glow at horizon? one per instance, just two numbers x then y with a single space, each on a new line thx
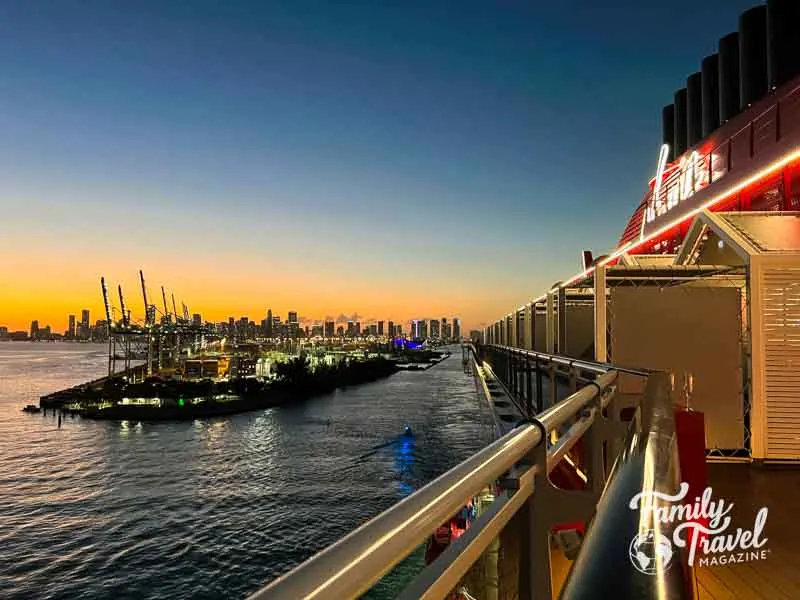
51 291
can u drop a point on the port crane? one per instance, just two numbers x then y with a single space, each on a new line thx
146 341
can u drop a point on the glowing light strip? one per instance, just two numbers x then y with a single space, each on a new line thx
662 163
778 164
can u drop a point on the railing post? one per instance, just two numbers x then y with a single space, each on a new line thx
573 379
528 388
539 387
553 385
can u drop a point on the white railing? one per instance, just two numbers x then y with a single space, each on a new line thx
522 461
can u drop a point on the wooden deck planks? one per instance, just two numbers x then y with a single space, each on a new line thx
749 488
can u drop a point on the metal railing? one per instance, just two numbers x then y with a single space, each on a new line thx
522 461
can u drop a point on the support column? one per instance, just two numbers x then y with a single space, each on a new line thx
528 337
514 329
562 322
600 315
549 319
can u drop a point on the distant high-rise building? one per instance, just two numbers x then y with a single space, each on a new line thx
358 328
317 330
268 328
380 328
457 329
435 332
351 329
85 328
390 328
293 326
34 330
398 329
197 320
71 328
447 331
330 327
340 331
423 329
277 327
372 329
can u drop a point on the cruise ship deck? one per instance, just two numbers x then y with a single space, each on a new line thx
750 488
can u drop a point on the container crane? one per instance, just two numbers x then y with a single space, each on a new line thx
164 297
147 322
125 313
109 322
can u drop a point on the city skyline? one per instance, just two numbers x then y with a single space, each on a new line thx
80 329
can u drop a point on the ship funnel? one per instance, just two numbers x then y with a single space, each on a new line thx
710 94
728 77
694 109
752 56
783 41
668 129
680 122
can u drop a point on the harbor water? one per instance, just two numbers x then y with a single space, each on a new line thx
209 509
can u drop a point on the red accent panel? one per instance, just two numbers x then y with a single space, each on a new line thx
691 433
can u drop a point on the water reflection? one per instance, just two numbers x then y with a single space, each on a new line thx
209 509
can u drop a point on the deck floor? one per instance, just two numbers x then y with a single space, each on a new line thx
749 488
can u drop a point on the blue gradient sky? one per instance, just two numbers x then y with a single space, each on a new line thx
321 156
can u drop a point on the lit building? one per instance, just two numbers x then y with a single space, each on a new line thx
34 335
340 331
268 327
390 328
330 328
372 329
358 328
71 328
380 328
435 332
457 329
197 320
351 329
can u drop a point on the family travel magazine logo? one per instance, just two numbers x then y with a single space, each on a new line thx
702 526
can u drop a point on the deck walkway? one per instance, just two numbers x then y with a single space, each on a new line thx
749 488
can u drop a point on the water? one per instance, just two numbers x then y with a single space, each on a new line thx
208 509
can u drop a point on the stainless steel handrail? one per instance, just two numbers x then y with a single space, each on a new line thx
586 365
353 565
647 464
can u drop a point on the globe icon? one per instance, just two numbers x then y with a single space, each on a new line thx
647 548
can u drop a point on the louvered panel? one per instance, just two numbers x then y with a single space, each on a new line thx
781 326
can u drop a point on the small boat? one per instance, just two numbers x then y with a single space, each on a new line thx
31 408
407 432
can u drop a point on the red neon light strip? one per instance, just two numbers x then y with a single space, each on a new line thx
626 248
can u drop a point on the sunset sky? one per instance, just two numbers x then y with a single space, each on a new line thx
391 159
